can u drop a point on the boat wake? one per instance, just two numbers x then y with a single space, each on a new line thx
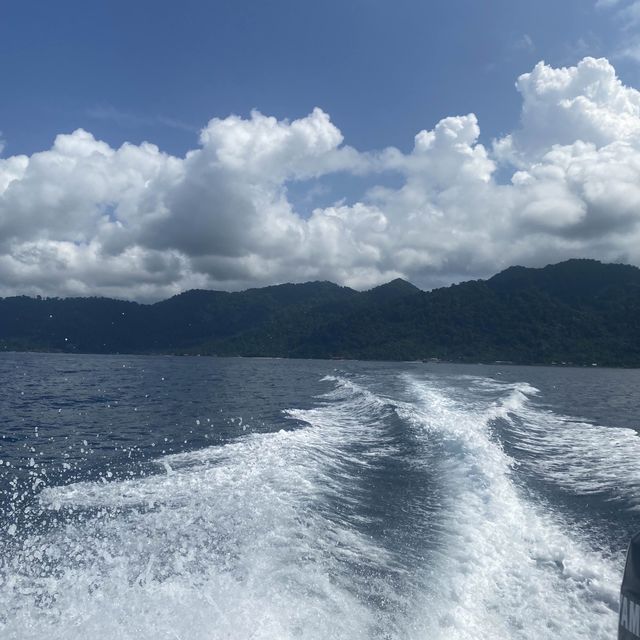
367 516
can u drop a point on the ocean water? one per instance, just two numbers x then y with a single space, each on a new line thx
205 498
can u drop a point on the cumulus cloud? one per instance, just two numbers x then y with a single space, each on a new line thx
83 218
585 103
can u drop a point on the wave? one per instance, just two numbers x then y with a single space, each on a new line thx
260 538
579 456
507 568
391 514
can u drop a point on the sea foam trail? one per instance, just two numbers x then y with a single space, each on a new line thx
255 539
581 457
268 537
506 567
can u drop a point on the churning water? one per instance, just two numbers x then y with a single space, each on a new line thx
193 498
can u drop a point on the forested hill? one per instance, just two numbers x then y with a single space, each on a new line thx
578 311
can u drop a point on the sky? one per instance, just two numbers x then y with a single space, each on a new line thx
147 148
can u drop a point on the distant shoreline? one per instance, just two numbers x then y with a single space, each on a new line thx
578 313
295 358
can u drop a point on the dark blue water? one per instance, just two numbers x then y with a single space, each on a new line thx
164 497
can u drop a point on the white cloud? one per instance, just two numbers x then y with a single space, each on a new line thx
525 43
629 16
587 102
124 118
606 4
626 16
84 218
629 50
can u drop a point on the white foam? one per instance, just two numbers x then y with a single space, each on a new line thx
263 538
239 541
506 569
583 457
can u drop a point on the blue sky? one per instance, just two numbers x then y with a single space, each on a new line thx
151 147
384 70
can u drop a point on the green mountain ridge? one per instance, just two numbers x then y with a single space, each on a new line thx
579 311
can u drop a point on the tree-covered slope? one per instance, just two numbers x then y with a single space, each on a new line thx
578 311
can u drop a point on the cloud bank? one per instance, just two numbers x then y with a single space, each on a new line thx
83 218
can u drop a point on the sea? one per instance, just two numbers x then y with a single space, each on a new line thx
198 498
